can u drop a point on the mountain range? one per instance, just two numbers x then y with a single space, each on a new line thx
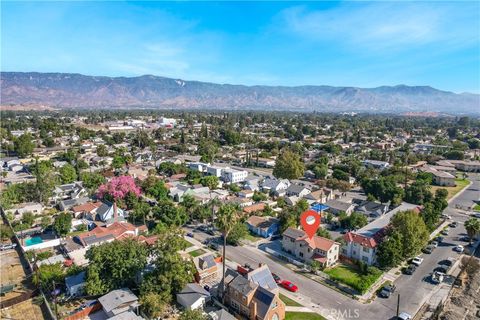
68 90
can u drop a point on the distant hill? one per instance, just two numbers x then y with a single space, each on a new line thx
65 90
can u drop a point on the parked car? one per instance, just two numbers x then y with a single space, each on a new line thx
428 249
276 278
404 316
417 261
387 291
439 239
434 244
289 286
442 269
454 224
459 248
449 262
210 232
464 238
410 269
445 231
189 234
437 277
446 216
8 246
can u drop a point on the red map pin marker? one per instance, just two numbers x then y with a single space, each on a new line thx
310 221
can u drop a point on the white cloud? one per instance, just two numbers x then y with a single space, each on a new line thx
386 25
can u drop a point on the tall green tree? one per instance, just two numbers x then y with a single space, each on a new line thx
68 174
390 251
63 223
24 145
288 166
414 232
114 265
171 271
472 226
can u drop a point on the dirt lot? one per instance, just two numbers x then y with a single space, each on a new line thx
464 302
12 272
29 309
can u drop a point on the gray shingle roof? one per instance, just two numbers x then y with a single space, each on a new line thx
117 298
293 233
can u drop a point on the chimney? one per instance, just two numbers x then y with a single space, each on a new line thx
253 309
115 213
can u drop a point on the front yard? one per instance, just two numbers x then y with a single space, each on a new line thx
460 184
292 315
252 237
289 302
353 277
196 253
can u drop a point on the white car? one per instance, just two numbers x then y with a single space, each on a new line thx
417 261
459 248
404 316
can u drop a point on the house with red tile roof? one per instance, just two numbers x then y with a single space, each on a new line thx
360 247
115 231
297 243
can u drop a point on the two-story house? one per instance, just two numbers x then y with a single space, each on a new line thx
253 301
297 243
360 247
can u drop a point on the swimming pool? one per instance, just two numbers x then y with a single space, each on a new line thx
33 240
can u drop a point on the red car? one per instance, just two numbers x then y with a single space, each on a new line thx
289 286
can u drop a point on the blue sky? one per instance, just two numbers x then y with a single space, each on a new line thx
364 44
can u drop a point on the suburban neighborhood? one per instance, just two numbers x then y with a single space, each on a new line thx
197 216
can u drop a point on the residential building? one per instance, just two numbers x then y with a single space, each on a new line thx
297 190
337 206
375 164
360 248
323 250
371 208
234 176
119 301
75 284
193 297
252 301
207 268
263 226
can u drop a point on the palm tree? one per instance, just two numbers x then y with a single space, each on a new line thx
227 217
472 226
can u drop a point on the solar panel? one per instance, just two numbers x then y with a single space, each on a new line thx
264 296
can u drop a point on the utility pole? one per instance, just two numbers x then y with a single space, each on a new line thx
398 304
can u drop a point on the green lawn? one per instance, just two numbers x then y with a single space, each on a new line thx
352 277
460 184
345 272
188 244
477 207
253 238
289 302
290 315
196 253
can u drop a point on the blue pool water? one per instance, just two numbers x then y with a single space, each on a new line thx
33 240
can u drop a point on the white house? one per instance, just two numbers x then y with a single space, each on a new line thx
234 176
193 297
376 164
214 171
360 247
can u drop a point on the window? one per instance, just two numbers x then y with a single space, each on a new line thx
309 250
301 254
365 259
365 249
